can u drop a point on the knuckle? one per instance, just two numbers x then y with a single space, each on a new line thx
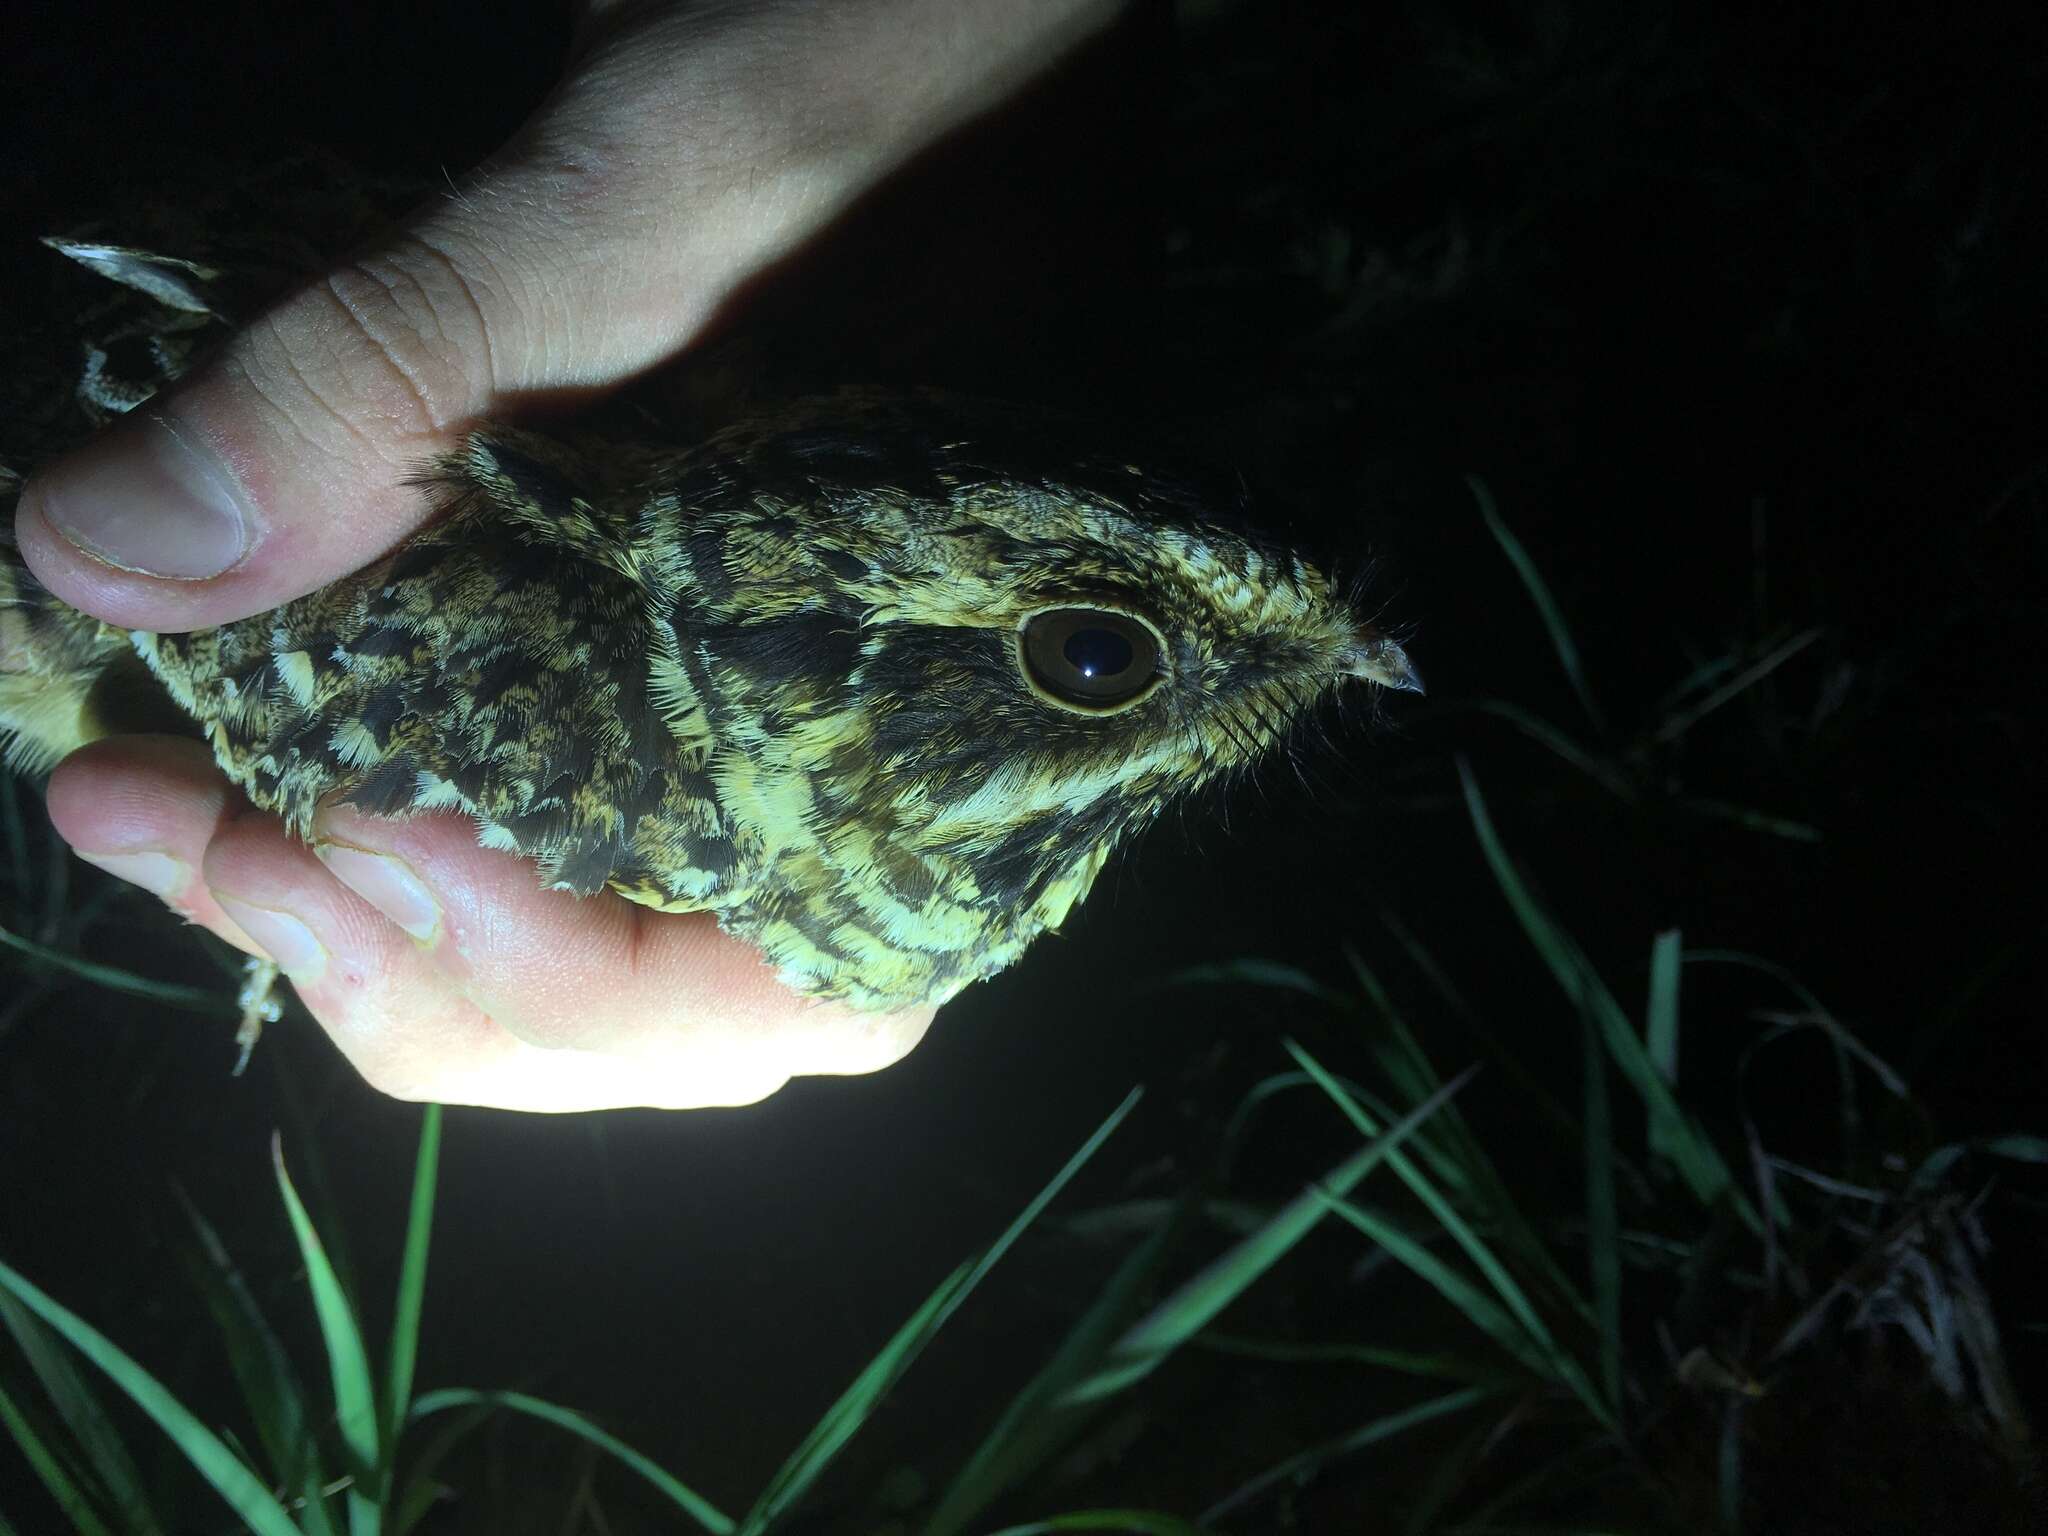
545 1027
888 1040
414 318
739 1095
388 1070
395 341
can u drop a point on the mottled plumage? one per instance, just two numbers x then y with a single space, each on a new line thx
824 675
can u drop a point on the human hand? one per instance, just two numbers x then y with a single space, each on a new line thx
688 149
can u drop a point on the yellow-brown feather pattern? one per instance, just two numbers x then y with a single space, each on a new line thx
779 676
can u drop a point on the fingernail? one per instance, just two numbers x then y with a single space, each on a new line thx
386 883
281 936
152 499
157 873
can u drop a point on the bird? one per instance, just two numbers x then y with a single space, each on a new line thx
882 679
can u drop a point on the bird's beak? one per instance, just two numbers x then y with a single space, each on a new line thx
1378 659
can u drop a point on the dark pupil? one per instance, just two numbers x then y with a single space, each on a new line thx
1097 652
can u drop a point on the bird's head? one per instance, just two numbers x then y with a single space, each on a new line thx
943 663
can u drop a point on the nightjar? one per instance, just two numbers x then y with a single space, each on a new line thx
881 680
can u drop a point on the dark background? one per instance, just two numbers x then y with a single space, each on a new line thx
1739 315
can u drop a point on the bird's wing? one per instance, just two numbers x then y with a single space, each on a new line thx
500 663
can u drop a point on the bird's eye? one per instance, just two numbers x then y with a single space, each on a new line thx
1088 658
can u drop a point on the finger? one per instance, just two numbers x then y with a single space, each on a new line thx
599 972
703 1023
145 808
410 1028
666 171
392 1015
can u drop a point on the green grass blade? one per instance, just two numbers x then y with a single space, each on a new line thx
1539 590
691 1503
860 1399
1035 1424
1306 1463
35 1444
1251 970
1527 1321
1478 1308
1698 1162
1684 720
1660 1028
163 993
1240 1123
302 1120
1144 1522
1849 1053
421 1492
1533 1092
85 1420
839 1423
412 1276
1728 1469
1195 1304
207 1452
2019 1148
1704 675
1753 820
1451 1471
1141 1217
1407 1362
1590 1464
1557 742
1937 1165
257 1356
355 1397
1449 1142
1445 1145
1815 1014
1603 1219
315 1504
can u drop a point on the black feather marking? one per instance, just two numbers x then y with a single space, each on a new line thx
470 777
707 560
585 867
823 646
848 567
377 641
380 712
502 672
825 447
714 855
534 484
389 788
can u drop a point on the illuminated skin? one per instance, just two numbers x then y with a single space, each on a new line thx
663 174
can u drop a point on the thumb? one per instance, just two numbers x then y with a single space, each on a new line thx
668 168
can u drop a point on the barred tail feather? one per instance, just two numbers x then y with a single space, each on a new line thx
51 658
